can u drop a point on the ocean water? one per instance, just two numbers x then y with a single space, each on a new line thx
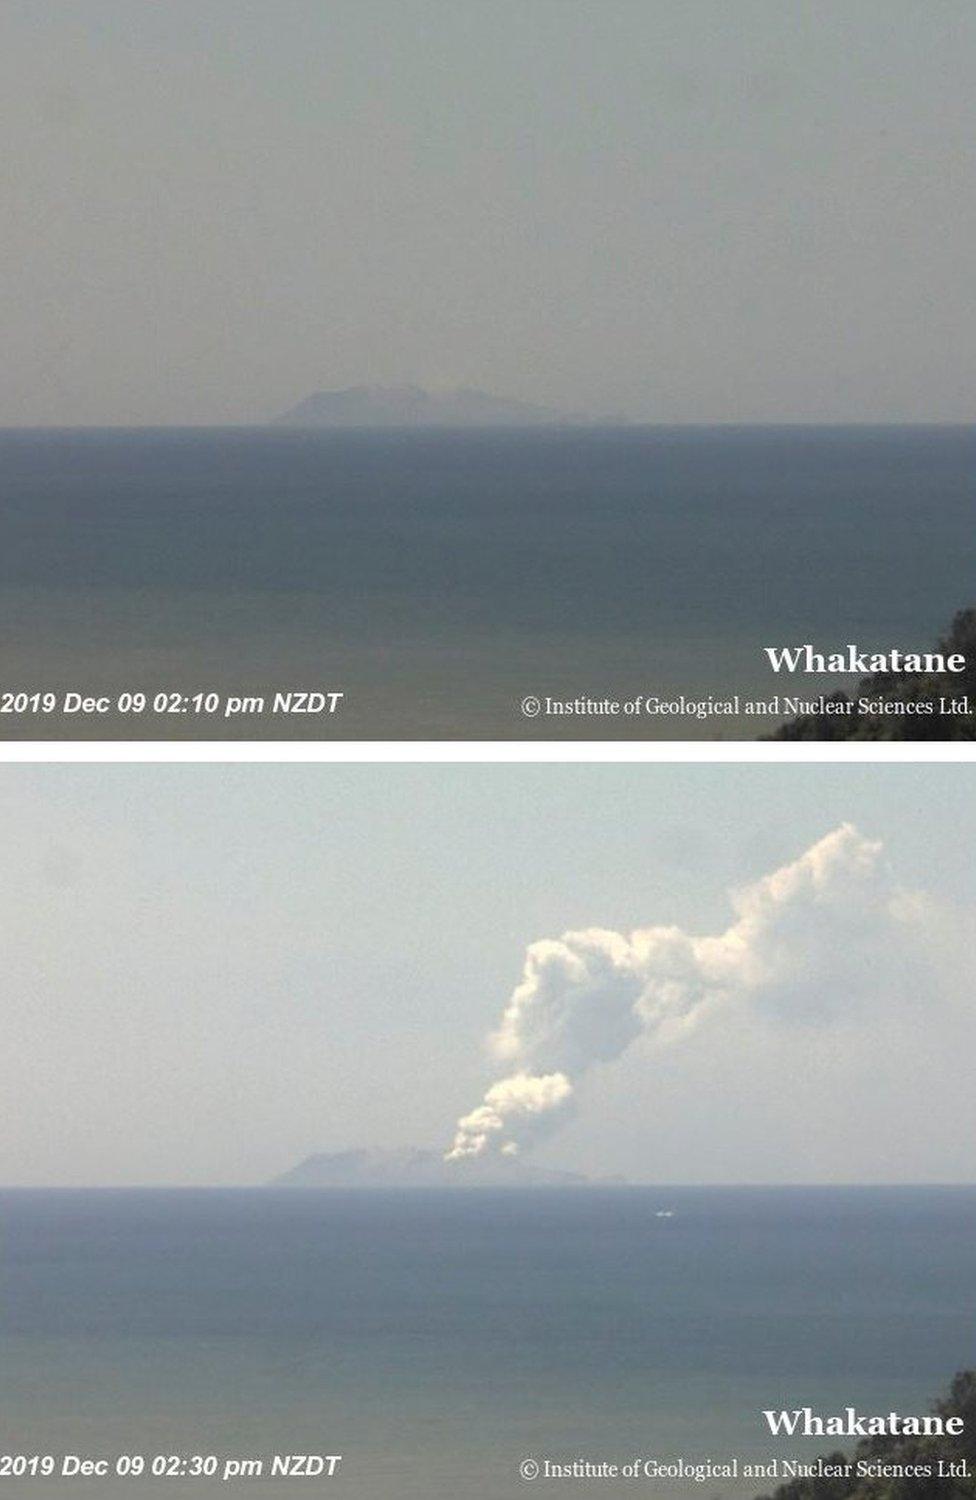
436 1340
437 579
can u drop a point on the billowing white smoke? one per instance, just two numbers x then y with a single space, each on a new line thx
811 937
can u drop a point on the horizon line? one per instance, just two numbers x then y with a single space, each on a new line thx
589 425
545 1187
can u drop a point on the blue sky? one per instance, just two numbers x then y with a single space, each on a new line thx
686 211
211 971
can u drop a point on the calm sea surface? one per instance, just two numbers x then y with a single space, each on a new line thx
439 578
437 1339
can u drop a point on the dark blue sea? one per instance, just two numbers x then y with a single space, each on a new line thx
437 1339
438 578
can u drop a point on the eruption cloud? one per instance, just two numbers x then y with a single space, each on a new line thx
809 941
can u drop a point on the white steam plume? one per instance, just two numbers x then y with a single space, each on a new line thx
809 940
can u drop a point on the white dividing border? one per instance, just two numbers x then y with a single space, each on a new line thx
860 752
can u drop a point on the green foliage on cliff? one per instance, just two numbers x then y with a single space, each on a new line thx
905 1451
899 688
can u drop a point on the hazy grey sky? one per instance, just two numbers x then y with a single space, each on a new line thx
676 210
211 971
